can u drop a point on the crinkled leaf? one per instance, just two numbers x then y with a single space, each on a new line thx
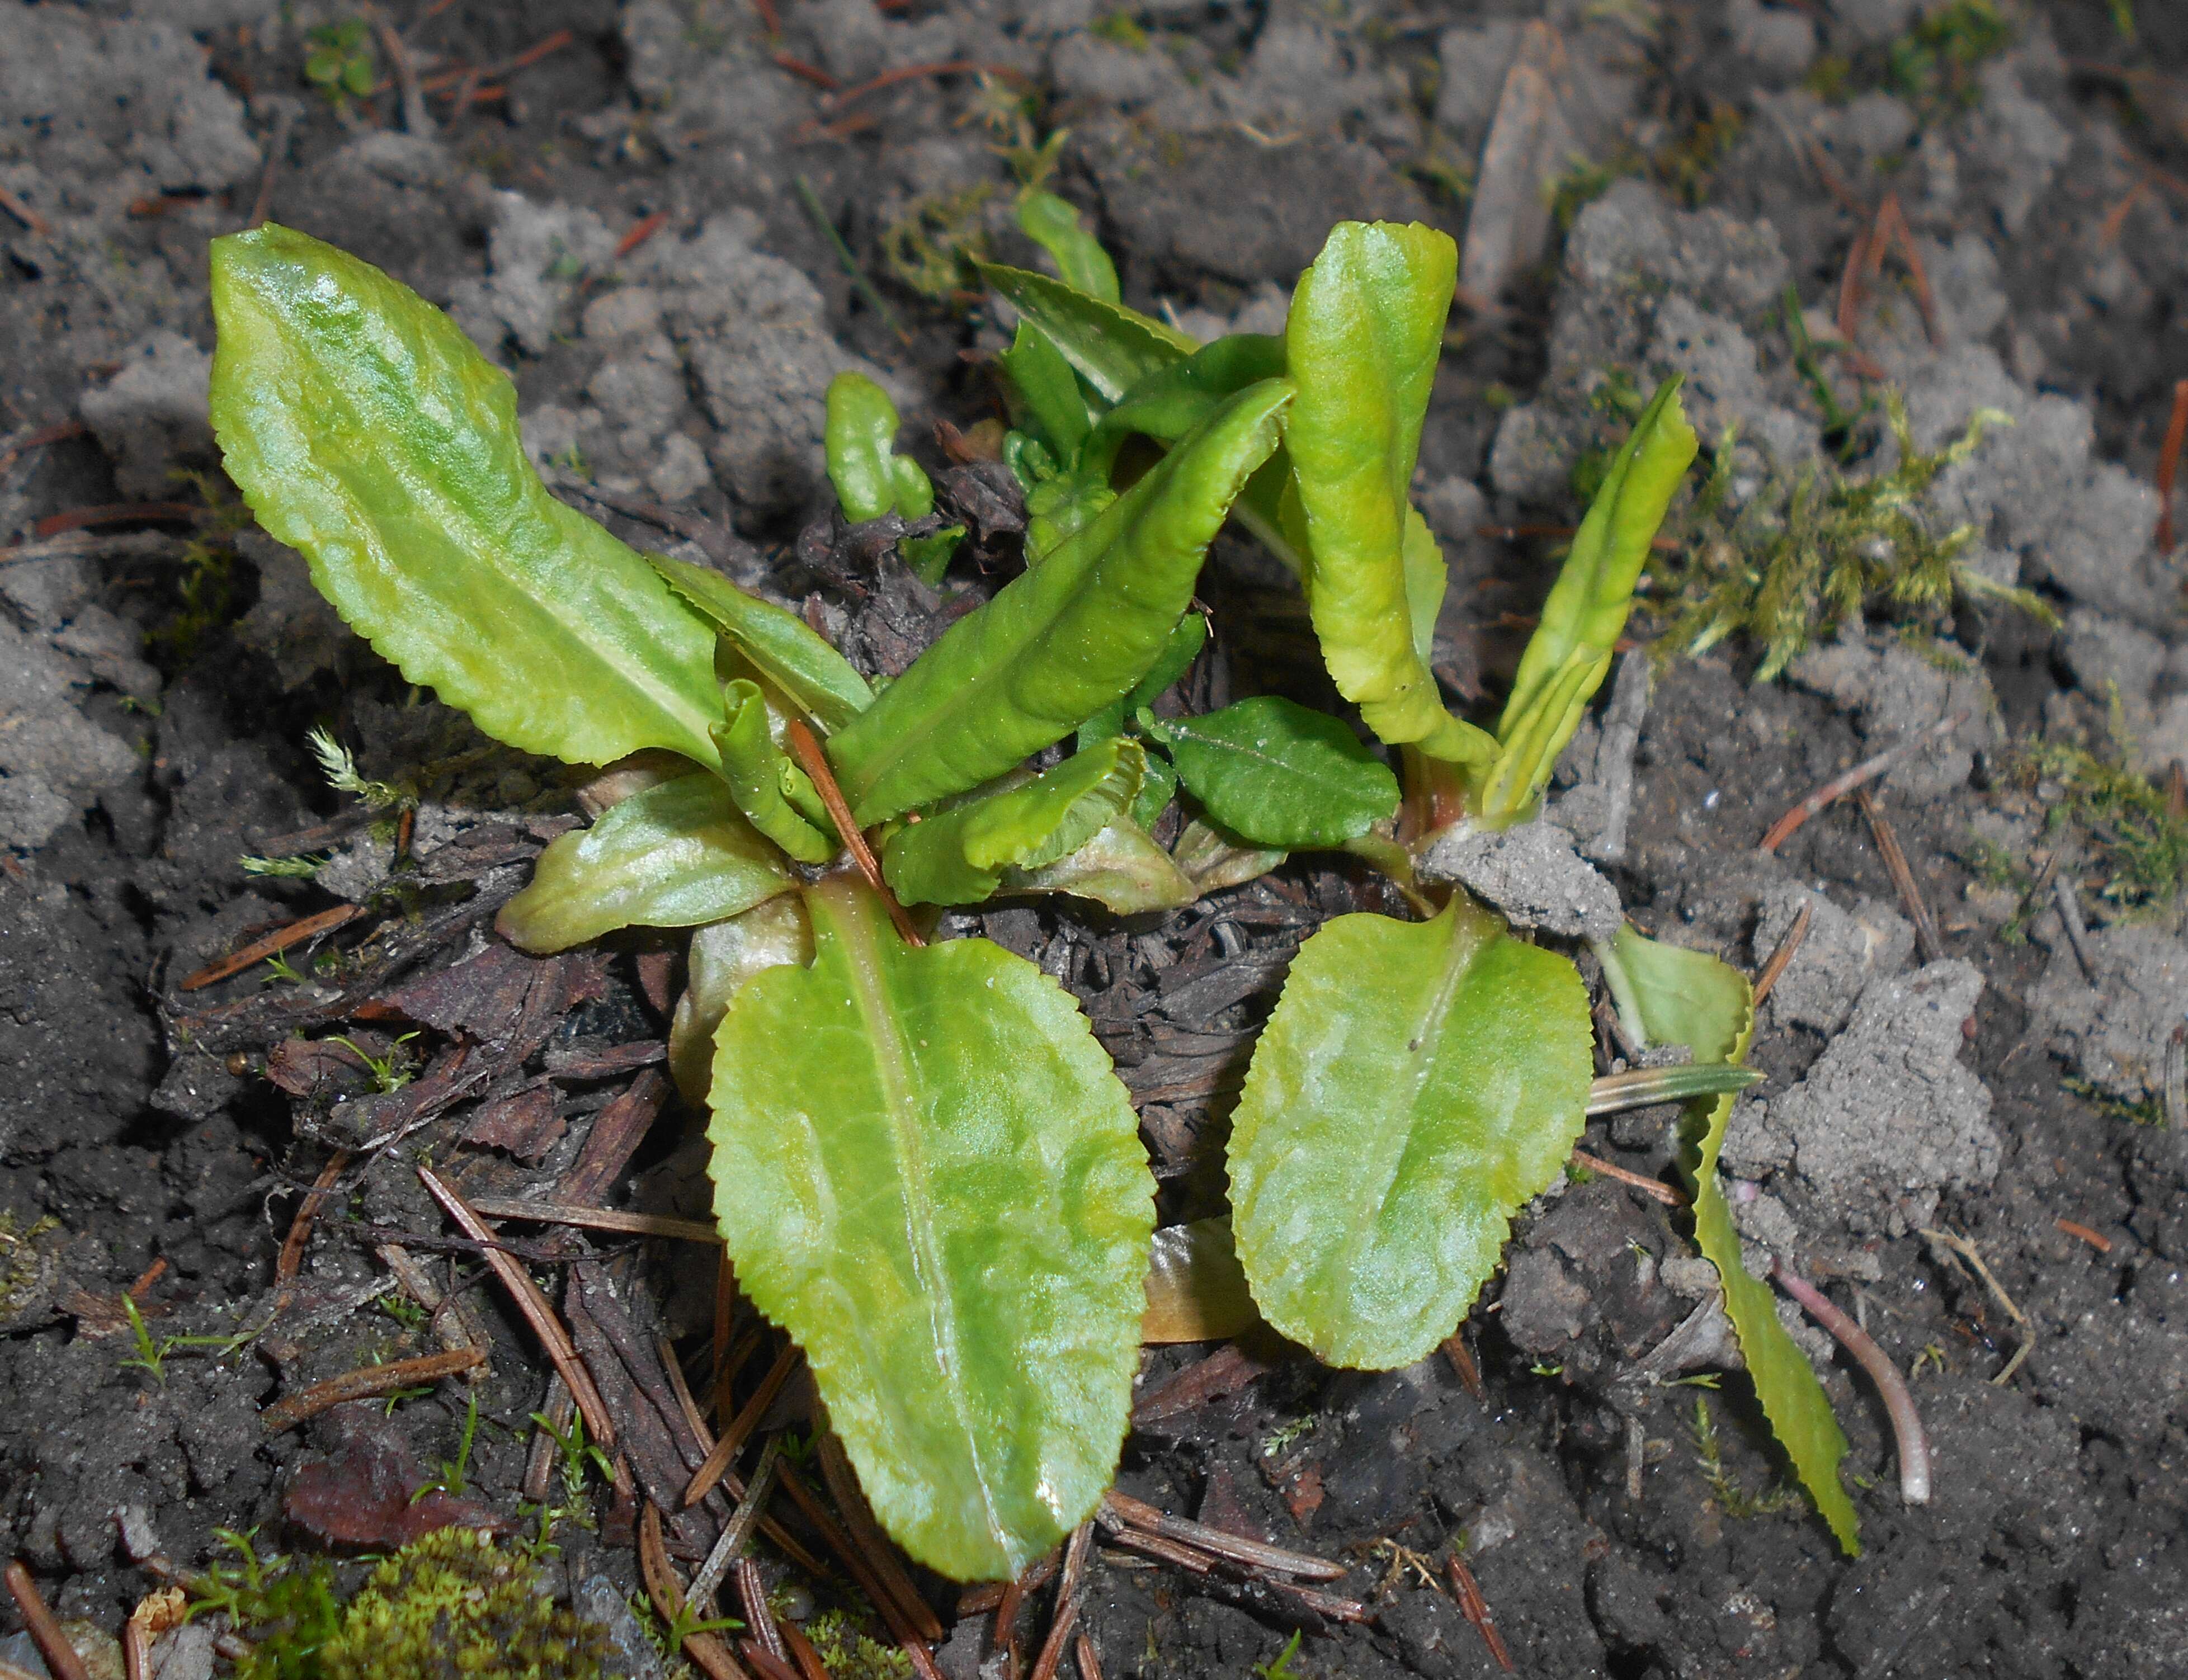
365 430
1277 774
956 855
723 956
1691 998
1121 869
870 478
1196 1288
1052 223
776 642
1183 647
753 766
1569 652
1114 347
1213 858
1417 1083
1047 390
676 855
1364 335
926 1172
1169 402
1061 641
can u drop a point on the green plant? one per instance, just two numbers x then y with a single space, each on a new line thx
302 868
1816 550
1280 1668
926 1169
1732 1497
848 1652
1932 65
449 1478
2124 20
340 61
389 1073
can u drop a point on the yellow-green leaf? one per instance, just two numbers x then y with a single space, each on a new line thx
1112 346
870 478
926 1172
1689 997
1417 1082
676 856
756 769
1052 223
775 642
366 431
1363 339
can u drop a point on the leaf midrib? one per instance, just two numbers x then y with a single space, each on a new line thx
1460 954
893 1067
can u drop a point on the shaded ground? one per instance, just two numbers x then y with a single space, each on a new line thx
622 219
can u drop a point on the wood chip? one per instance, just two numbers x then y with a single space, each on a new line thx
369 1383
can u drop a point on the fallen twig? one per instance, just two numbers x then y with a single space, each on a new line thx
370 1382
2069 905
1906 1421
640 232
858 1521
815 762
1070 1599
1614 758
1967 1251
1927 938
279 940
117 513
1476 1610
537 1312
2169 464
1462 1361
1868 770
23 212
1648 1186
44 1630
1780 959
667 1595
2095 1239
804 72
598 1218
1137 1513
741 1427
730 1546
300 1228
416 119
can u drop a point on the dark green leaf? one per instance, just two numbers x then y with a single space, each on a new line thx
366 431
1048 390
958 854
1060 642
1418 1083
926 1172
1275 774
676 855
1114 347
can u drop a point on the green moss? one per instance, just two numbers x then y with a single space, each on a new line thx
848 1652
2136 841
1932 66
1807 554
24 1266
1119 28
448 1607
928 247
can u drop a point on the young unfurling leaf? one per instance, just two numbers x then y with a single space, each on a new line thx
757 770
1689 997
1416 1084
926 1172
1121 869
870 478
1052 223
957 854
1059 642
1362 341
1169 402
366 431
676 855
723 956
776 642
1569 652
1050 403
1274 773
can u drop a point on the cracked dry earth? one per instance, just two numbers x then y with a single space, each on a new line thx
1961 1129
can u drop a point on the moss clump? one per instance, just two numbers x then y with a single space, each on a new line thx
1803 556
2135 834
929 248
449 1607
849 1653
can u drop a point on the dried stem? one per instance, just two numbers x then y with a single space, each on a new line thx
815 762
1898 1402
1868 770
1926 936
373 1381
2168 464
44 1630
1781 959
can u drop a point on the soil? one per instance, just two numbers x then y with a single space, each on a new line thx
624 220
